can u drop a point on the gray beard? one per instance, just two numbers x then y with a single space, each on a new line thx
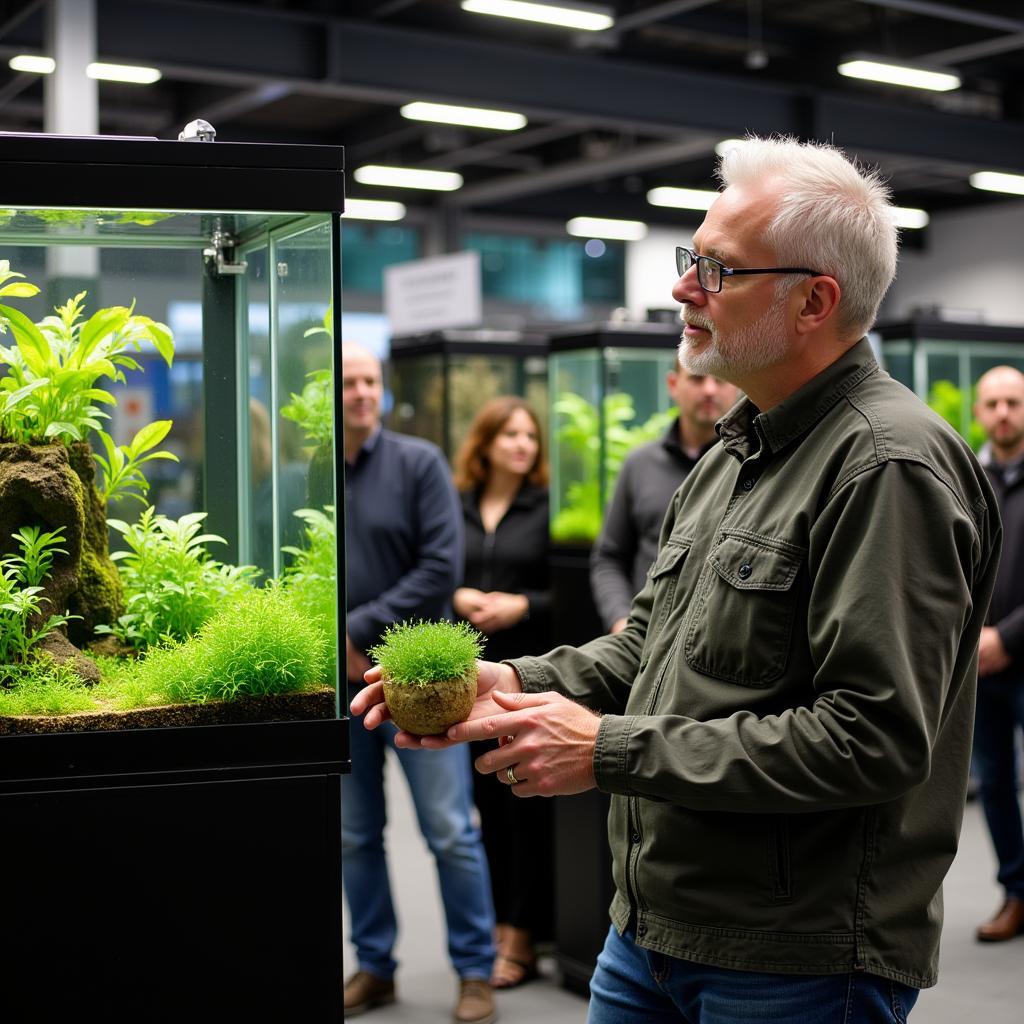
748 350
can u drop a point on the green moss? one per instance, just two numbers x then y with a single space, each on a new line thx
418 653
262 643
45 687
99 598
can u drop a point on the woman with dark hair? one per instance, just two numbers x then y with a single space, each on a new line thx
501 474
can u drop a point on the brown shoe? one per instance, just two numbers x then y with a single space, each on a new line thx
476 1003
364 991
1006 924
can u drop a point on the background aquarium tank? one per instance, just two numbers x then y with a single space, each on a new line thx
170 720
439 380
607 395
941 361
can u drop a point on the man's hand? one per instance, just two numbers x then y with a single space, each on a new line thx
992 656
546 739
356 663
369 701
619 624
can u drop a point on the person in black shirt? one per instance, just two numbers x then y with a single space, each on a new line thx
501 474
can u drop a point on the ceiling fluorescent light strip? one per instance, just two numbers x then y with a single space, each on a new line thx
136 74
681 198
607 227
910 217
472 117
584 18
408 177
32 63
997 181
900 74
373 209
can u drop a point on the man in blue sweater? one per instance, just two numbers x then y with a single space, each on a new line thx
403 539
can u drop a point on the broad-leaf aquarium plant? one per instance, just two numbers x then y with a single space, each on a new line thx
172 585
429 673
579 439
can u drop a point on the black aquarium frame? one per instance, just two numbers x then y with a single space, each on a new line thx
177 873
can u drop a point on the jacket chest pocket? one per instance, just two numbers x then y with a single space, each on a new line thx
740 623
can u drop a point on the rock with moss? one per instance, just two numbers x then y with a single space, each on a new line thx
429 673
99 598
39 488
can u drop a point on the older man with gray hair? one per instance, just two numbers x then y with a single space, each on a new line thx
785 722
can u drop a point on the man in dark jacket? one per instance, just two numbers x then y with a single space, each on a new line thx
403 544
650 475
784 724
1000 710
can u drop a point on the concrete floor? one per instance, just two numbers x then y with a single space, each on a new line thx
977 983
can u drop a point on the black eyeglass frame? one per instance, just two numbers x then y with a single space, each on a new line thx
686 258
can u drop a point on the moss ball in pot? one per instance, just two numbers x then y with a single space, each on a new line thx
429 674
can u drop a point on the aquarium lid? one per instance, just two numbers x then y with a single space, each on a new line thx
115 172
621 334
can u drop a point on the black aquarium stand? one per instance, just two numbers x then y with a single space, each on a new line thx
185 874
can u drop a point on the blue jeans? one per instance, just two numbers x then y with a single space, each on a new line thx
441 787
999 713
635 986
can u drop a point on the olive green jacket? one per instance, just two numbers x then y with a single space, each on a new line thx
788 714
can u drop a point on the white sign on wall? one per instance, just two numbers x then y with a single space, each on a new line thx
431 294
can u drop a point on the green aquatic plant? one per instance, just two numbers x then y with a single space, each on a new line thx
579 442
43 686
22 625
122 464
945 398
172 585
418 653
313 573
55 365
313 409
259 643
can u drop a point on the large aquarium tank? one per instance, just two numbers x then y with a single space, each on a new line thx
941 361
439 380
607 394
167 433
170 726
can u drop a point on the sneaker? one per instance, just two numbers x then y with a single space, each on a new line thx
364 991
476 1002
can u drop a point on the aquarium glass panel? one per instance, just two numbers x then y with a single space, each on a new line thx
605 402
418 396
158 433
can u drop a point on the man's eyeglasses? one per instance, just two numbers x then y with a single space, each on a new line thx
710 271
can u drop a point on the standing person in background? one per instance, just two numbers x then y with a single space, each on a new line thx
1000 709
403 539
650 476
502 474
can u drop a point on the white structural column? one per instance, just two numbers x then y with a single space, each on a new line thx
72 98
71 107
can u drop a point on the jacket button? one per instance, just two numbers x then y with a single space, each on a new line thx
641 929
748 483
745 570
635 838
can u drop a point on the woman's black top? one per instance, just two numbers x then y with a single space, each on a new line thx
513 559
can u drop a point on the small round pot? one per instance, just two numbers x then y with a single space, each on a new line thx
430 709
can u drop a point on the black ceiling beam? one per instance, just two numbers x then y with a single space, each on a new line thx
336 56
